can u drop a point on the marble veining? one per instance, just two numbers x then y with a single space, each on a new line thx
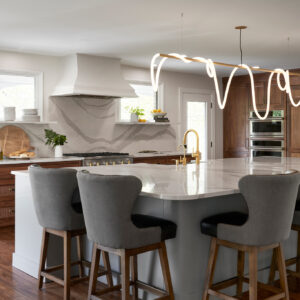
89 124
209 179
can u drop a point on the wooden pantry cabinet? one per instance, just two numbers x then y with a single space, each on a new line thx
261 93
293 124
238 107
7 187
235 121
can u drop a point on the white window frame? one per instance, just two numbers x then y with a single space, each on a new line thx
38 85
160 99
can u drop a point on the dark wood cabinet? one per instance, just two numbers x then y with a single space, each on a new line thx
7 187
293 132
238 107
278 98
235 122
161 160
260 94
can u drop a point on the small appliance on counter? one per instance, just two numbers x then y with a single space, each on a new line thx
103 158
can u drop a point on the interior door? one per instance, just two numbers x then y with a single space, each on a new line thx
197 114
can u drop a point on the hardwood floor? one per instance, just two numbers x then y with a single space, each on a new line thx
16 285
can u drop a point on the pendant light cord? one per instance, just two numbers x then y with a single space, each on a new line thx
241 50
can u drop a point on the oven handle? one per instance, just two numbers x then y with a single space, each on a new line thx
266 120
268 148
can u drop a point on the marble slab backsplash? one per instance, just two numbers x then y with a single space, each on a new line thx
89 124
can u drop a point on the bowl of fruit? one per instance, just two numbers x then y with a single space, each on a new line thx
158 113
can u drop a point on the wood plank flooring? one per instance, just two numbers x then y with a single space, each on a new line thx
16 285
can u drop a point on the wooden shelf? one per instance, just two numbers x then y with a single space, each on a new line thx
29 123
143 123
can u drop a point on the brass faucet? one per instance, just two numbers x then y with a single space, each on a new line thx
181 160
196 154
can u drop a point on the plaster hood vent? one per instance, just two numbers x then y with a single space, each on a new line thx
92 76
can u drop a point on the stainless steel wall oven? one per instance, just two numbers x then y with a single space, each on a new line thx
267 137
273 125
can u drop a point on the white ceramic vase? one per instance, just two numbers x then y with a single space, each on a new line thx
134 118
58 151
9 113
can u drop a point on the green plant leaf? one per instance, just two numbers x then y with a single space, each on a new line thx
54 139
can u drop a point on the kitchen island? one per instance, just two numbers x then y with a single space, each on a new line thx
183 194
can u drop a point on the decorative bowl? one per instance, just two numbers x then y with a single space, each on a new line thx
161 114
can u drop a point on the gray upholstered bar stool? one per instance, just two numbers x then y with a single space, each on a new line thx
294 260
266 226
58 209
107 202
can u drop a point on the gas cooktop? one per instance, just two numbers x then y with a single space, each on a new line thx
96 154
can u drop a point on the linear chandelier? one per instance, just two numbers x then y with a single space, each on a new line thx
211 72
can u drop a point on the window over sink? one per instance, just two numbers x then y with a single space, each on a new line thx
147 99
21 90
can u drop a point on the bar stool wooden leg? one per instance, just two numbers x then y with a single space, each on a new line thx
166 269
94 271
67 264
44 248
253 273
107 267
272 269
134 276
240 272
282 271
125 266
214 247
80 256
298 254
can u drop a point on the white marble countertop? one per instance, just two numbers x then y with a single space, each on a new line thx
213 178
38 160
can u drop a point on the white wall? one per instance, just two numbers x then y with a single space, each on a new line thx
172 82
89 123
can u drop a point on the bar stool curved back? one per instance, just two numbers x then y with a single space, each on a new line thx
56 200
107 202
270 217
53 191
271 202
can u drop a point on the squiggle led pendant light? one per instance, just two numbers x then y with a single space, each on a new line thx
211 72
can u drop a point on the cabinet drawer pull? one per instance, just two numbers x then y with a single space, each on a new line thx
11 189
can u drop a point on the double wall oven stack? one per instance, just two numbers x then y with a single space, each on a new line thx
267 137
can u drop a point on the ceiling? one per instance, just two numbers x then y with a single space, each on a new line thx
134 30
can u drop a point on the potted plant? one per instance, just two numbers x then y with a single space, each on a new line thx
56 141
135 113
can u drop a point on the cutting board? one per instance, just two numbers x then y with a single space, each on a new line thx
13 138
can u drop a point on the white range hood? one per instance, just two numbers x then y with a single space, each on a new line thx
88 75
